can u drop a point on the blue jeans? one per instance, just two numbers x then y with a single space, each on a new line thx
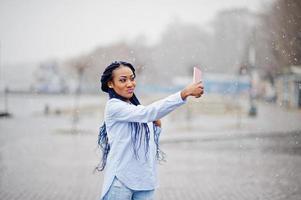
118 191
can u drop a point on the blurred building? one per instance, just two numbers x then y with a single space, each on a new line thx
48 79
288 88
218 83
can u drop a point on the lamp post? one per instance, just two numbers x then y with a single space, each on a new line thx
4 113
252 70
75 120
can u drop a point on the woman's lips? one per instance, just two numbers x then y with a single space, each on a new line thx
130 90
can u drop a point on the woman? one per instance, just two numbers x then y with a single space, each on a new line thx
129 137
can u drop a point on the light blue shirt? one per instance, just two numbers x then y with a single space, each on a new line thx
141 173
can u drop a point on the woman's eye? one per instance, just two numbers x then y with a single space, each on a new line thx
122 80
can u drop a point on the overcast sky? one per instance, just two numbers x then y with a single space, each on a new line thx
35 30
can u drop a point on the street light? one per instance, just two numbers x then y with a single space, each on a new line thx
4 113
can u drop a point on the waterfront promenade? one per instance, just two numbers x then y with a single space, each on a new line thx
209 157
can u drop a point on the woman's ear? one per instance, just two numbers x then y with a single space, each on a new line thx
110 84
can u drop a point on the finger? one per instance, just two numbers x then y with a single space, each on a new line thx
199 83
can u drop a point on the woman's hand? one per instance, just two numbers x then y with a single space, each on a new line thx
158 123
194 89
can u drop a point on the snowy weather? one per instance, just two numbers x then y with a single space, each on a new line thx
240 139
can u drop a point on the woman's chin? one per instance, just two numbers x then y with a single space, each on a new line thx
128 96
131 95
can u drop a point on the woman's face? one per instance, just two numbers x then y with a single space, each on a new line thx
123 82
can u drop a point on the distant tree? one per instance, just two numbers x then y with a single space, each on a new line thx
91 65
233 30
181 46
283 25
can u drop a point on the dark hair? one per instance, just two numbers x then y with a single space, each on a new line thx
107 74
138 129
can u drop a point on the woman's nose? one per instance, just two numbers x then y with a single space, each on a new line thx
129 83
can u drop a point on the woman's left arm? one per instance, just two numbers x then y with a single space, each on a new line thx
118 110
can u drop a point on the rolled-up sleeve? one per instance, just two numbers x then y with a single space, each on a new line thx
118 110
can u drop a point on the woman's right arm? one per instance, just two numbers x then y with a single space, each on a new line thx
118 110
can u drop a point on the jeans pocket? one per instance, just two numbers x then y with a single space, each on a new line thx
118 191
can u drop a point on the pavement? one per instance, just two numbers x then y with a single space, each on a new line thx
270 119
209 155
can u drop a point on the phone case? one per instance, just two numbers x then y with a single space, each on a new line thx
197 75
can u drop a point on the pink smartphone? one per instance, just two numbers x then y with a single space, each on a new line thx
197 75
